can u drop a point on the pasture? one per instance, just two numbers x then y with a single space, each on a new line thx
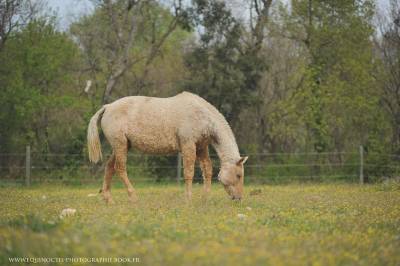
298 224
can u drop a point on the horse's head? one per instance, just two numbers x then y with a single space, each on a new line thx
231 176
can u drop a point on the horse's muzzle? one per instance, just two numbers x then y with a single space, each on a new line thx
238 198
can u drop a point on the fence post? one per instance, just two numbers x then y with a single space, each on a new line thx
361 165
179 167
28 166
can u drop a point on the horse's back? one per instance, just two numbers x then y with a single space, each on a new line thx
157 125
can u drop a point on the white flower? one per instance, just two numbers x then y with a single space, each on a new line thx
241 216
67 212
248 208
92 195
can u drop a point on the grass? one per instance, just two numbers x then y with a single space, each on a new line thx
298 224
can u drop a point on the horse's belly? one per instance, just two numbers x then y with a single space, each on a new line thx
154 143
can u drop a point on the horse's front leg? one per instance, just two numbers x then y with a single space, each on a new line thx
206 167
189 159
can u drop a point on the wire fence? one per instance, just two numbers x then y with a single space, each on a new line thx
357 166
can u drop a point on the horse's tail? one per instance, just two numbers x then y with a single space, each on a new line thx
94 145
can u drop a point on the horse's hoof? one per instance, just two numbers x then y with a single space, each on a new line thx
133 199
188 200
109 201
205 195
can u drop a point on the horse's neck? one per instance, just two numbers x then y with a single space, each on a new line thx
226 146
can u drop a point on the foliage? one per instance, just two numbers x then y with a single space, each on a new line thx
105 36
339 93
36 76
221 71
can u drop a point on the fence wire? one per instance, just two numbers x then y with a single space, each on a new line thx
261 167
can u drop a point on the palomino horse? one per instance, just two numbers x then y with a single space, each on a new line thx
184 123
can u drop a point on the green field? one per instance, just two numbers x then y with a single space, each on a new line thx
281 225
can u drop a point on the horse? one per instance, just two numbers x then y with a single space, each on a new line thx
184 123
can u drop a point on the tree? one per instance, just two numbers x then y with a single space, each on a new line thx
121 35
36 76
339 94
388 44
227 65
14 15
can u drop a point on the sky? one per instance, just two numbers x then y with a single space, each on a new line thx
70 10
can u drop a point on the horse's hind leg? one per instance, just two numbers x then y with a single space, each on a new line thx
120 167
109 171
206 166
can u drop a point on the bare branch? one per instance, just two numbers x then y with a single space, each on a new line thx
15 14
262 20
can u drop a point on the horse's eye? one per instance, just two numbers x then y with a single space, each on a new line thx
238 176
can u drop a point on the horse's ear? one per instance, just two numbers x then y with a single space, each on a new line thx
242 160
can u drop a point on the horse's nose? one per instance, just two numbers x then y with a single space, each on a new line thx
236 197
